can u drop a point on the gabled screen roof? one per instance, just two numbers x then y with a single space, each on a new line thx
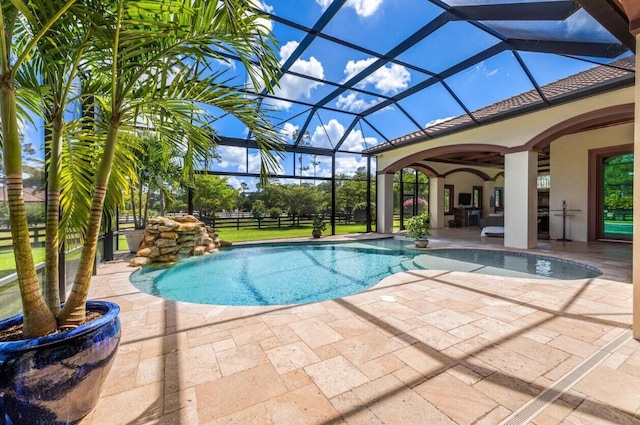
362 73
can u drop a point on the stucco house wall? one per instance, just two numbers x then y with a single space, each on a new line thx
570 176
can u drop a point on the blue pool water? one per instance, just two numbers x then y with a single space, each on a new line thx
301 273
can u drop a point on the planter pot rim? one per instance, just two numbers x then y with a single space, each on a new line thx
110 310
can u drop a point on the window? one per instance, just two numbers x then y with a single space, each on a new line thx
448 199
477 197
497 193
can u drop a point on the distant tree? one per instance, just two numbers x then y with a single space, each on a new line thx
213 194
259 210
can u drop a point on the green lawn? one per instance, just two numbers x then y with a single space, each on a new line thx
8 265
254 234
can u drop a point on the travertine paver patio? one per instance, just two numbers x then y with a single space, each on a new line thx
453 348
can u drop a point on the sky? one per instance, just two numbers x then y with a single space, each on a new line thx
379 26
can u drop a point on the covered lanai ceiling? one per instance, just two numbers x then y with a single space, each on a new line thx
360 74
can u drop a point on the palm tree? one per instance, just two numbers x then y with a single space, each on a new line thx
138 66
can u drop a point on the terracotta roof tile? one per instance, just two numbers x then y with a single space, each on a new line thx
585 80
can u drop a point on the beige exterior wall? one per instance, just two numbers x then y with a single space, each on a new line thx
570 176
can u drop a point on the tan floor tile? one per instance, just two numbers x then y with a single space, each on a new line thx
464 374
350 326
424 359
528 328
409 376
225 344
612 387
494 417
509 392
381 366
512 363
466 331
305 405
285 334
434 337
448 394
335 376
150 370
353 410
534 350
446 319
139 405
593 413
391 401
365 347
251 333
326 352
254 415
239 359
291 357
315 332
563 368
206 335
296 379
230 394
573 346
553 414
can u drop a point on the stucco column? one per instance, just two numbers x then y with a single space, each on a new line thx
632 9
487 193
436 202
636 206
521 200
384 203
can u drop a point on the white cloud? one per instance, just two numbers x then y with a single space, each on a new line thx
389 79
355 142
492 73
231 156
267 23
353 103
437 121
255 161
288 131
328 135
349 164
296 88
363 8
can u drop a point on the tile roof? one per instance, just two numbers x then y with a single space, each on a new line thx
597 78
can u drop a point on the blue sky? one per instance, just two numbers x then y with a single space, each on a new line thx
379 26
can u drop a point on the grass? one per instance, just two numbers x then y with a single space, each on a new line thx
7 262
254 234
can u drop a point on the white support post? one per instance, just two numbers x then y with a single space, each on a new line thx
521 200
384 203
436 202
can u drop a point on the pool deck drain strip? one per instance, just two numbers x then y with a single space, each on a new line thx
536 405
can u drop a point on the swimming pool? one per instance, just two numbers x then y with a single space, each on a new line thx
274 274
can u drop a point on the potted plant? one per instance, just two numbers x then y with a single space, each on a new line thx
319 226
123 65
418 228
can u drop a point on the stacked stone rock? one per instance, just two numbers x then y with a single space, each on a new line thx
168 239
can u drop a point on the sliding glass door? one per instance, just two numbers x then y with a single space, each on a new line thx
616 218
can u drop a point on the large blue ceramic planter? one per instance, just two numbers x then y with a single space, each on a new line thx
57 379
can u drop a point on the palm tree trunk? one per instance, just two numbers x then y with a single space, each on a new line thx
52 245
38 320
74 311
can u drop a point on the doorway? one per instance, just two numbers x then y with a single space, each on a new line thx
613 209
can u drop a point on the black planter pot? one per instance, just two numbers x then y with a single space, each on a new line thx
57 379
